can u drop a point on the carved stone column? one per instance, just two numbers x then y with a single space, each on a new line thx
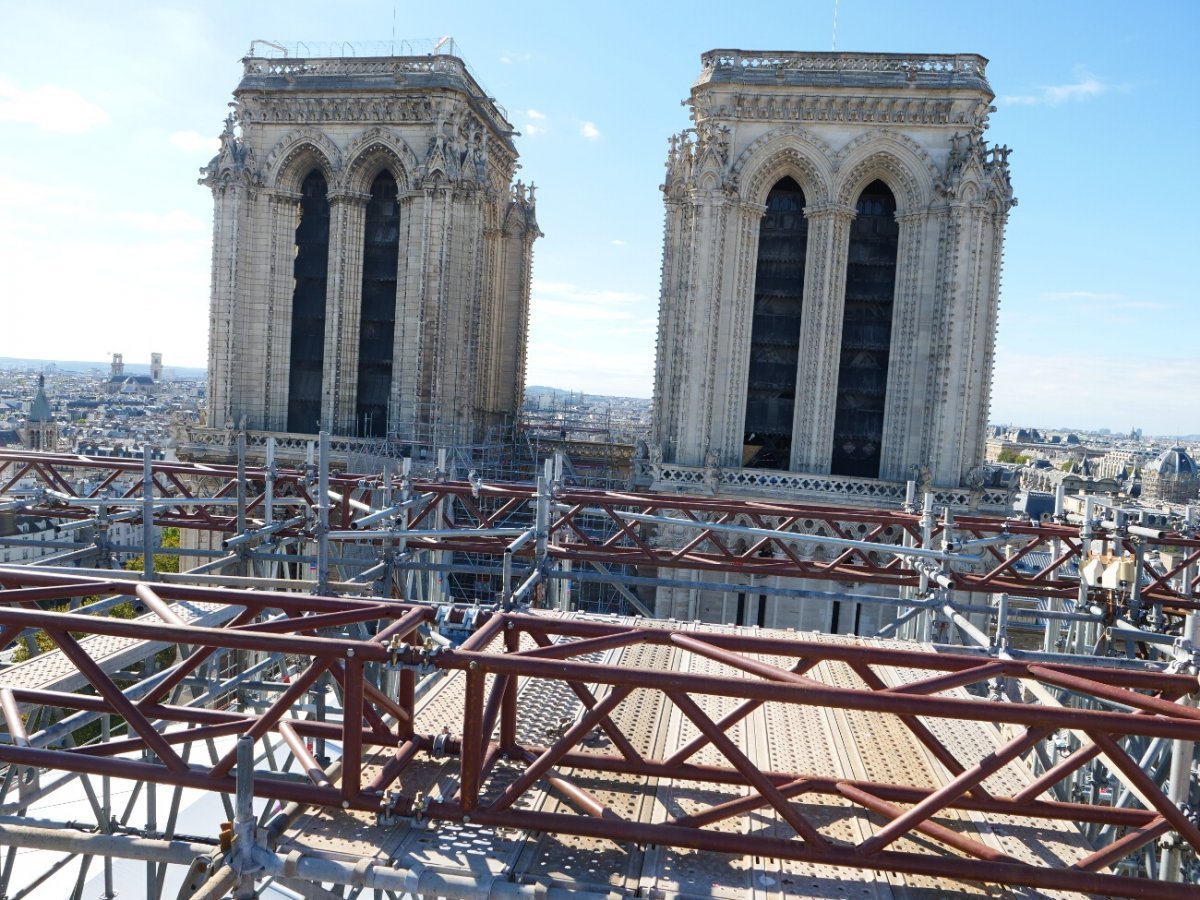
957 359
348 216
820 337
342 210
677 247
901 416
738 324
506 263
229 198
282 209
409 350
492 258
977 434
459 315
978 338
701 327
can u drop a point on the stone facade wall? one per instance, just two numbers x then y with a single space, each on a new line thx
466 237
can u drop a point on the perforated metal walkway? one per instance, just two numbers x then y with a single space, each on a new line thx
848 744
53 671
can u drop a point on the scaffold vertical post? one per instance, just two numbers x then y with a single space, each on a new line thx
322 586
243 821
269 486
542 520
925 627
1085 544
1183 753
147 512
241 482
151 828
106 812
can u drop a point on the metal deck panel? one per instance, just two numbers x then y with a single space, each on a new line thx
53 671
850 744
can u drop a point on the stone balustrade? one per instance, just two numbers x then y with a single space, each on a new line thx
366 66
832 489
907 63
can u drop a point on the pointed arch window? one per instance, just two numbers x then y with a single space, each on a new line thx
866 334
775 333
311 270
376 337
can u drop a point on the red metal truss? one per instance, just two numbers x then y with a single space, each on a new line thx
593 526
510 650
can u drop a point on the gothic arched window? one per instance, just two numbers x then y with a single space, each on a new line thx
376 337
775 334
308 307
866 334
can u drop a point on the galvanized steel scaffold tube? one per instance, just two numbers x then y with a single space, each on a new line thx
326 697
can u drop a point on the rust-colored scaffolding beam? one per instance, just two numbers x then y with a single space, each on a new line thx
508 649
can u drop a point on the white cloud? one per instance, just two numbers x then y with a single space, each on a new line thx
95 278
617 242
624 369
194 142
20 194
591 338
1102 391
562 300
536 124
1084 87
49 108
1097 301
590 131
508 57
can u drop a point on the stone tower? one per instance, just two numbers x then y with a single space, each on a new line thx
371 253
831 275
156 371
41 431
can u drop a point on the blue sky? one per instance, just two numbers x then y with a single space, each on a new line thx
108 110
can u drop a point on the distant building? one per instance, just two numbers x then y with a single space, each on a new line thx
1171 478
1082 477
1121 462
41 429
121 383
118 451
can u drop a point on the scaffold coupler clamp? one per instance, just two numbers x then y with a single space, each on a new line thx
395 807
403 655
420 807
439 748
1186 658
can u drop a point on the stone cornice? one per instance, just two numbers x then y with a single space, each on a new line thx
813 109
283 194
266 109
832 211
349 197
